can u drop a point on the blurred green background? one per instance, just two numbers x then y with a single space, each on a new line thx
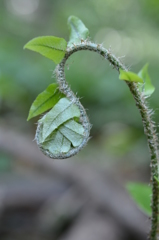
128 28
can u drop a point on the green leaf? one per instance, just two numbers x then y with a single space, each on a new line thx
59 114
45 100
78 30
57 143
59 131
60 140
141 194
51 47
157 179
73 131
147 88
129 76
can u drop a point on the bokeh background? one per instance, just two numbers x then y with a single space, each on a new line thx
82 197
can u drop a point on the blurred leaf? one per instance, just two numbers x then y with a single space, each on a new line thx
45 100
9 89
78 30
157 179
63 111
51 47
119 139
141 195
5 163
147 88
129 76
13 93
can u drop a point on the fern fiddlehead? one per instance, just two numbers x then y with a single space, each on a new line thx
69 136
83 118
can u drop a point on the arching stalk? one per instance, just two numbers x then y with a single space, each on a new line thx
52 127
145 112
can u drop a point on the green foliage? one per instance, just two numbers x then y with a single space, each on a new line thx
78 30
140 43
142 78
59 130
29 74
141 194
57 143
63 111
147 88
73 131
69 134
157 179
45 100
129 76
51 47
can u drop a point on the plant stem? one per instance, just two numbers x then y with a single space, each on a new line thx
148 124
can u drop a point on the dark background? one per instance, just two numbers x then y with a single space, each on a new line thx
117 151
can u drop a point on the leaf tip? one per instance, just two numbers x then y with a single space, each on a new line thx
129 76
25 46
28 118
72 17
120 73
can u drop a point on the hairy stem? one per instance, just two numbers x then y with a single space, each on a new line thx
149 126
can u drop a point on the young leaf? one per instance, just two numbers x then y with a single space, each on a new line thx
57 143
78 30
60 140
147 87
59 114
141 195
51 47
129 76
73 131
45 100
157 179
58 130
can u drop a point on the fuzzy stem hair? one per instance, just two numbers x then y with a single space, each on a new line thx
141 103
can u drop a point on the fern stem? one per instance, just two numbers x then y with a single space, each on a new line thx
141 103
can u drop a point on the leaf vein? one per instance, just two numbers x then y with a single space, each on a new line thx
51 47
74 131
43 103
76 31
58 115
